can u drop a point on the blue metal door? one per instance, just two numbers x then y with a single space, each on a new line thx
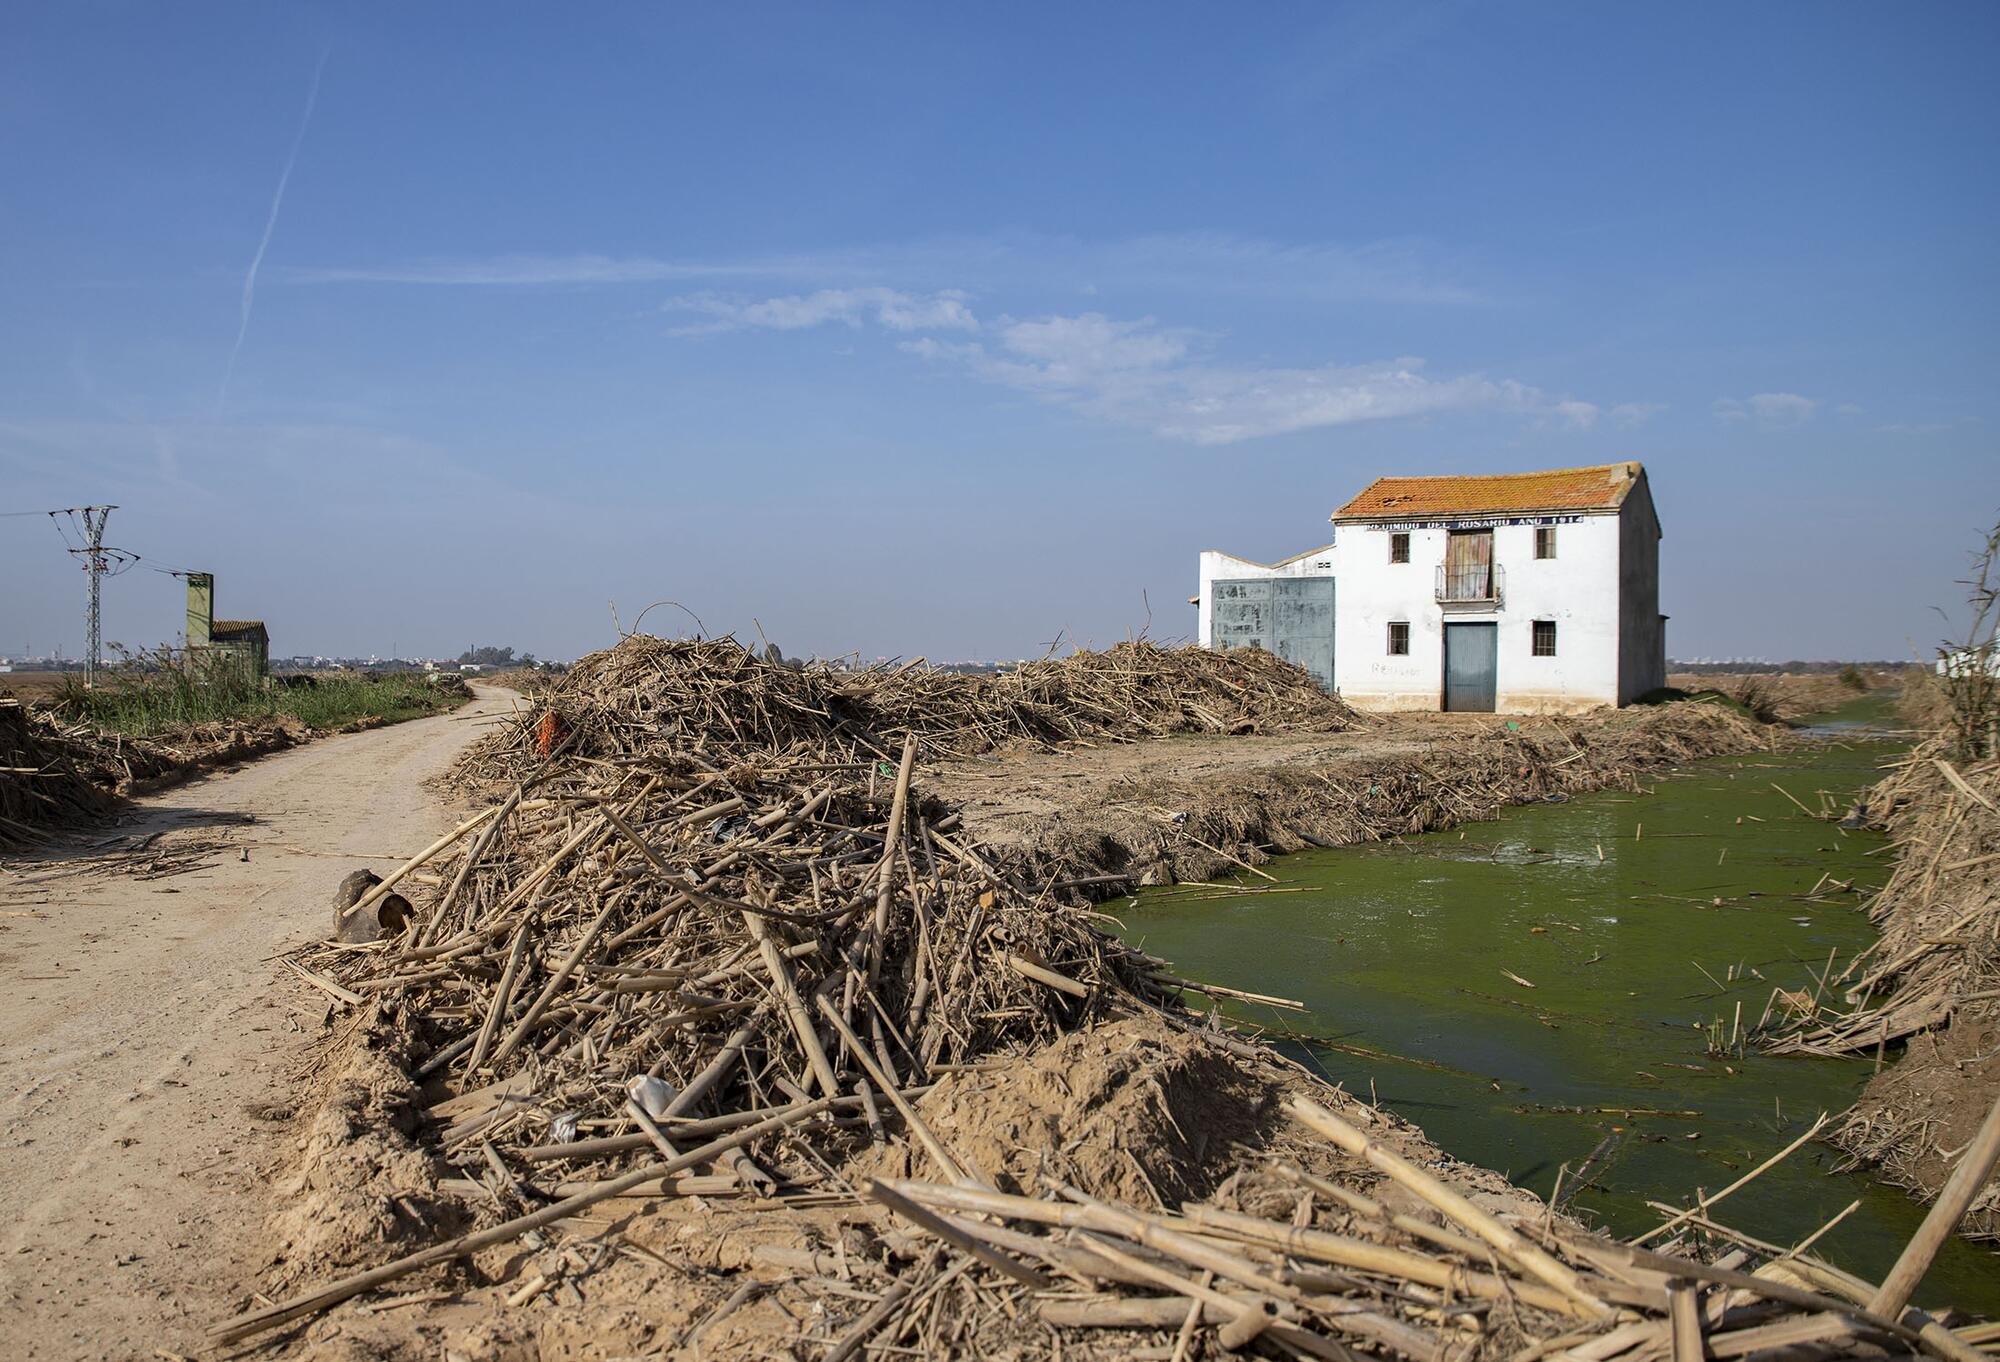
1471 666
1289 616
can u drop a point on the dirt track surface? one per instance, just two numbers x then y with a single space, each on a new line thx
148 1038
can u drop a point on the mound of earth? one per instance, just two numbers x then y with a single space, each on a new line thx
1134 1111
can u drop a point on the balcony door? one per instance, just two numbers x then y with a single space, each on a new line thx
1468 565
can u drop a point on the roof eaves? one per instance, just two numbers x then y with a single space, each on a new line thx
1341 518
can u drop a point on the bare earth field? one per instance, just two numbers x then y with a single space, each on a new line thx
31 685
148 1038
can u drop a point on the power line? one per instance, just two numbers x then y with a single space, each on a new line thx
162 566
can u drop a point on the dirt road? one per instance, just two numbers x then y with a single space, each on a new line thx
146 1034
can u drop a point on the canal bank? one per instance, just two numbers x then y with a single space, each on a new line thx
1929 990
1181 809
1573 986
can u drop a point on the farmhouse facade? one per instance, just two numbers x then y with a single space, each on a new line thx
1521 593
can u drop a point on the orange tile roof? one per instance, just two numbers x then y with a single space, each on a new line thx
1602 488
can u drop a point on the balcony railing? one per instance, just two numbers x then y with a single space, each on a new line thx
1484 584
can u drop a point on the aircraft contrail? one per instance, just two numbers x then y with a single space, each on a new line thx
270 226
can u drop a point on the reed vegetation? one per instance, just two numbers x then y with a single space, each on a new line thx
160 692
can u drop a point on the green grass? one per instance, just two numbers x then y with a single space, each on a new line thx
150 698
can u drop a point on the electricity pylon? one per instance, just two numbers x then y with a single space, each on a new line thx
96 562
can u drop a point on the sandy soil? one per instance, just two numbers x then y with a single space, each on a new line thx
148 1038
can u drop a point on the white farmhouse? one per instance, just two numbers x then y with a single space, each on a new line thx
1525 593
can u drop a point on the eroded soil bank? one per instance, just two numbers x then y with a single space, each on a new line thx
1188 808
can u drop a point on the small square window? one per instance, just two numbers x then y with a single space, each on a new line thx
1399 639
1545 638
1545 541
1399 547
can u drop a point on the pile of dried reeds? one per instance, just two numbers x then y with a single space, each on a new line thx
1934 971
45 776
713 943
715 694
1140 689
751 959
1936 950
1338 1271
1931 981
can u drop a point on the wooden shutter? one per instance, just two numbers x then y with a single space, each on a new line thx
1468 565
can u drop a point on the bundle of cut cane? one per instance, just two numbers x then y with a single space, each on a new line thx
752 940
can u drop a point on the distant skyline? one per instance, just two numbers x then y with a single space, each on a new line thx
903 330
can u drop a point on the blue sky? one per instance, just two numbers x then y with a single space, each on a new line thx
927 330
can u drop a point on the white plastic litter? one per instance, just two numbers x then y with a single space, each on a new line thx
654 1095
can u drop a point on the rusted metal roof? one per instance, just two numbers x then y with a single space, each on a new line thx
1602 488
229 631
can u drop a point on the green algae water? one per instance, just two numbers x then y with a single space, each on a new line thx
1642 921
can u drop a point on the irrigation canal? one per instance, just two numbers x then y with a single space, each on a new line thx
1642 922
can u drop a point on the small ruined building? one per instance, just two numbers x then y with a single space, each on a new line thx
1522 593
241 643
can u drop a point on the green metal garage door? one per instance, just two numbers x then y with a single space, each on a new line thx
1289 616
1471 667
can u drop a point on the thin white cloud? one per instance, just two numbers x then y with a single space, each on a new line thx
886 307
1137 373
270 226
1767 409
